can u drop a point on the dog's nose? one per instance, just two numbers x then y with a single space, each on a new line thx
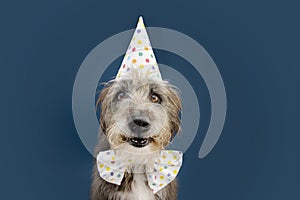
141 123
138 125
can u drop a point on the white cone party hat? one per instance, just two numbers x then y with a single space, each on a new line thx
140 56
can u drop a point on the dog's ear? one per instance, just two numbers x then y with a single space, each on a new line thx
175 101
99 102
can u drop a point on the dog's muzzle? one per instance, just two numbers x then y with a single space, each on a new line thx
139 125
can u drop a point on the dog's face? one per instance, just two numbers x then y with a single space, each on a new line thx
139 115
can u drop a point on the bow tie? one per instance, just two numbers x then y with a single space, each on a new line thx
166 166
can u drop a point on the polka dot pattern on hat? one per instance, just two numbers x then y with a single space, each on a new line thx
140 53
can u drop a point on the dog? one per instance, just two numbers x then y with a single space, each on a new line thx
138 118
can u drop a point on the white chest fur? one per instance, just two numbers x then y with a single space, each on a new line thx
140 188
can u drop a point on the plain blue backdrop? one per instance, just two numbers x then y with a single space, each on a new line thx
255 45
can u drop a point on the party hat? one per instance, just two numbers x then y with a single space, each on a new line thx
140 55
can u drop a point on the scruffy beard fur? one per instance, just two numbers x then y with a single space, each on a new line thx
122 100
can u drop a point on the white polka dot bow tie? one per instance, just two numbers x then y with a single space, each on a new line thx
112 168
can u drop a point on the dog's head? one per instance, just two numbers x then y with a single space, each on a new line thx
139 114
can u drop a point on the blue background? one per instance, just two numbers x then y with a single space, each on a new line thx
255 45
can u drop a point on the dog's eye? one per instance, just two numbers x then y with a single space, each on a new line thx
121 95
155 98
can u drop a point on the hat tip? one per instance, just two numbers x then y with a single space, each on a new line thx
141 19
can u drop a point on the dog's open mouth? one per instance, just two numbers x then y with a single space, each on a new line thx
137 141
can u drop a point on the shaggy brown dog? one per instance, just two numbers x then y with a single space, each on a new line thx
138 119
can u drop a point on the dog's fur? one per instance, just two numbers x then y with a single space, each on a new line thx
120 100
